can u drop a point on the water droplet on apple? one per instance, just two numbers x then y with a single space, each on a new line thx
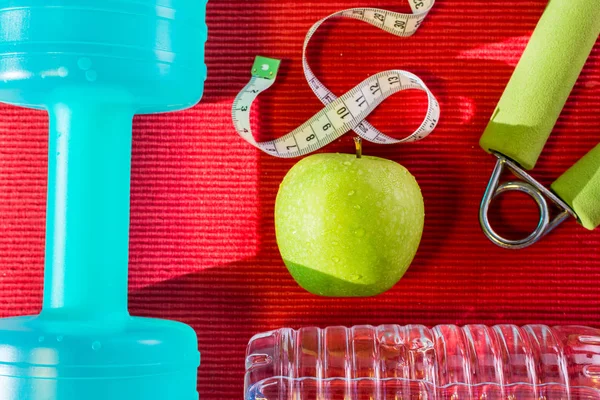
356 277
360 232
335 259
357 206
347 163
334 243
351 193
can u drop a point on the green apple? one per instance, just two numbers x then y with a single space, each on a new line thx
348 226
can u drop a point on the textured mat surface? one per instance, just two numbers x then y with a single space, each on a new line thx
202 240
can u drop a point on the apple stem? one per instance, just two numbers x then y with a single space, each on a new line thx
358 144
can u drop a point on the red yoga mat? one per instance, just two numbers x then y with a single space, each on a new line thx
202 239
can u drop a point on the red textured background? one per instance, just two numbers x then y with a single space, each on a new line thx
202 240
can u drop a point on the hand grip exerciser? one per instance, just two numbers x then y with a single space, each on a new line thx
93 64
528 111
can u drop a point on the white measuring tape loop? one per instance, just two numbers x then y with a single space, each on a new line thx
348 112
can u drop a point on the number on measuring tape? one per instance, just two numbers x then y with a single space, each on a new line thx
347 112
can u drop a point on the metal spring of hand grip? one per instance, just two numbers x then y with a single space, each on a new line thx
533 188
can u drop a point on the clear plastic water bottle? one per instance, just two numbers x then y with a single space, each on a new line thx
533 362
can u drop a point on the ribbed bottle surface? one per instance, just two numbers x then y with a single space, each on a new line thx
415 362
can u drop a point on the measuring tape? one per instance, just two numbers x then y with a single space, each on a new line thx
348 112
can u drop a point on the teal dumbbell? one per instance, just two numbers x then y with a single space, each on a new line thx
93 65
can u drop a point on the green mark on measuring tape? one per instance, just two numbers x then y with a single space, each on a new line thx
265 67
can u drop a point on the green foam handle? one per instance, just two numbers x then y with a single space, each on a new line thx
579 187
543 80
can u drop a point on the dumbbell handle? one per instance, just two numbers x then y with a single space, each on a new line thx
88 208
